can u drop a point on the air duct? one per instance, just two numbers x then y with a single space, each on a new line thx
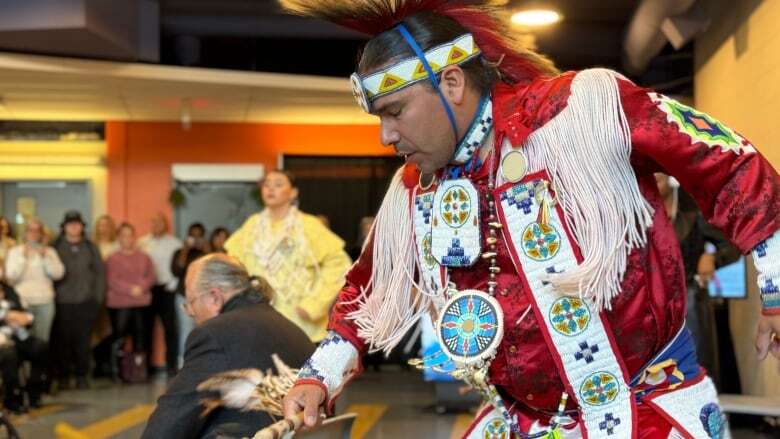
126 30
655 23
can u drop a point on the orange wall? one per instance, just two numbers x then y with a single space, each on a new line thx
140 155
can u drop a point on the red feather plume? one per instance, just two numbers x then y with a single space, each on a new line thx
486 20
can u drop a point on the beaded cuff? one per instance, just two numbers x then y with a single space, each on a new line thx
766 257
333 364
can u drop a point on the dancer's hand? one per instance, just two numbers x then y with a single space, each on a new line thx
308 398
768 337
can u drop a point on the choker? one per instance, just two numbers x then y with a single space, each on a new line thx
480 128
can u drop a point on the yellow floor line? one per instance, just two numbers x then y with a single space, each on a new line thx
107 427
460 426
367 416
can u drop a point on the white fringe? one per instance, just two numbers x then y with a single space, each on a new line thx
391 303
586 150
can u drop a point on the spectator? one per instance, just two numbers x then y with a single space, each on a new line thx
6 237
17 345
704 248
130 277
217 240
237 329
104 236
303 260
160 245
32 268
195 246
79 295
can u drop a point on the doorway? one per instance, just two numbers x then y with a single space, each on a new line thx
46 200
343 189
215 204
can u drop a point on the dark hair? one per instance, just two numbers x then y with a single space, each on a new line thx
125 225
216 232
429 30
196 226
290 176
10 227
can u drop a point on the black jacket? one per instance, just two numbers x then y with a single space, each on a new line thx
244 335
85 273
693 231
181 272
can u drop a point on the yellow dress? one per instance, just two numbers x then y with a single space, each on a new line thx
300 258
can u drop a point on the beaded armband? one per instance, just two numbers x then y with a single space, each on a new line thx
766 257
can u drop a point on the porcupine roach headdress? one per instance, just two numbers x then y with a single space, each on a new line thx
486 20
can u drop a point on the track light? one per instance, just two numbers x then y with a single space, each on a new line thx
536 17
186 114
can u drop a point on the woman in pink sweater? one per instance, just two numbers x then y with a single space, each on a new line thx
130 277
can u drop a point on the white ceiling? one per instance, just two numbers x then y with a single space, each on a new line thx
51 88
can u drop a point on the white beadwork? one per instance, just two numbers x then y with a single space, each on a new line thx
333 363
476 136
573 344
432 278
455 233
685 406
766 258
410 71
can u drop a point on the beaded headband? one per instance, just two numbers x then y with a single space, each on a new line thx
411 70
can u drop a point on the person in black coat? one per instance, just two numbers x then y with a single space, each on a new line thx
17 344
236 328
79 295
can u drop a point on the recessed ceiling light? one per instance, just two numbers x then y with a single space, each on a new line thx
536 17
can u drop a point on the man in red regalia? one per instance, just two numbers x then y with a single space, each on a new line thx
528 224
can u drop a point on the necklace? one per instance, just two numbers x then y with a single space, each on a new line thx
470 324
455 229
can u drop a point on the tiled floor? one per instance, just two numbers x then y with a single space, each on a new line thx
392 404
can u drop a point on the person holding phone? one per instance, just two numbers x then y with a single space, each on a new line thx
31 268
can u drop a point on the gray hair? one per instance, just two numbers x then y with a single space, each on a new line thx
226 274
223 273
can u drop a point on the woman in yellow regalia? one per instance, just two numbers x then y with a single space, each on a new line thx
303 260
